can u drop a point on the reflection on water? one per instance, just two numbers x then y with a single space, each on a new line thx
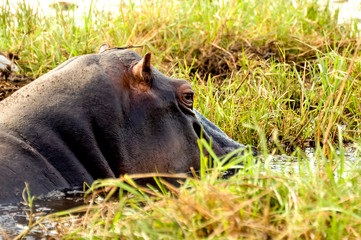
13 218
288 164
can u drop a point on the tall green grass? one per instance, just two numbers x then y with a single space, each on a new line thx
293 91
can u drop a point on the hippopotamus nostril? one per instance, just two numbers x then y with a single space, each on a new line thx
198 129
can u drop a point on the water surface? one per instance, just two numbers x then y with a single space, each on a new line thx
14 219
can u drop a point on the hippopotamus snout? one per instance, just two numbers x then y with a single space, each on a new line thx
222 144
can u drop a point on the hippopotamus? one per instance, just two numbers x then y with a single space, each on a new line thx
100 116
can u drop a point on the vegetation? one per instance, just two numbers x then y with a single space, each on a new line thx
314 202
279 75
279 65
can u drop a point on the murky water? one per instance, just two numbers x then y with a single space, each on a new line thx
284 163
14 219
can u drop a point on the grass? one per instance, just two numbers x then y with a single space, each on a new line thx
279 75
316 202
277 64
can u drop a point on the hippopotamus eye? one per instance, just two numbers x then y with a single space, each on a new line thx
187 99
185 96
188 96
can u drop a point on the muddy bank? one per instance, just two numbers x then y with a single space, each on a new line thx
12 83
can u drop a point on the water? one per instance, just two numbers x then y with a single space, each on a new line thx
349 9
287 164
14 219
47 7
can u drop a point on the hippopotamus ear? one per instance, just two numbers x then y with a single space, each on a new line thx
142 71
103 47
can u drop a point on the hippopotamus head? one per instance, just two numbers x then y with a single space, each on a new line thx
157 127
98 116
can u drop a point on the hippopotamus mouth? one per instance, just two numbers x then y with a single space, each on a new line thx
99 116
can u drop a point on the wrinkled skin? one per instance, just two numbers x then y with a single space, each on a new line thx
99 116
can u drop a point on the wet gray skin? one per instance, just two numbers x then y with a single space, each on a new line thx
221 140
99 116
